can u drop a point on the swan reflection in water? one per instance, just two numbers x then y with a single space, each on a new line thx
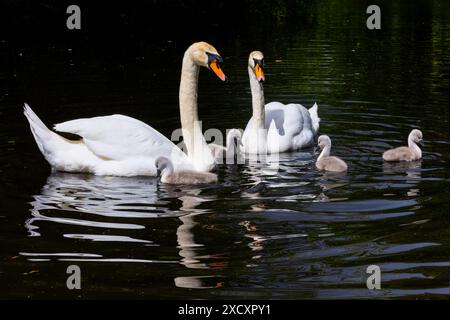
93 195
85 201
410 171
91 202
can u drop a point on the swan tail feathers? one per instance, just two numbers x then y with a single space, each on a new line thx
32 117
39 130
314 113
46 140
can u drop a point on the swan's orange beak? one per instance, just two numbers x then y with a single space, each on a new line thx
259 73
216 69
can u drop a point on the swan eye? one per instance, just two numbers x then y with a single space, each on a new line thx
214 61
213 57
259 62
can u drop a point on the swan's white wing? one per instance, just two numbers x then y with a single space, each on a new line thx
293 123
313 111
119 137
288 118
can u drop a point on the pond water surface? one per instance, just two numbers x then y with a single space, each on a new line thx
297 234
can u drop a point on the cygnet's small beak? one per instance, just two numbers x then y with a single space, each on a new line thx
421 143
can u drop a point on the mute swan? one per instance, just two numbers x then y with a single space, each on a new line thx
327 162
410 153
218 150
124 146
183 176
275 127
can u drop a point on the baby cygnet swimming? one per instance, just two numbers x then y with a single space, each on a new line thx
410 153
327 162
165 166
229 148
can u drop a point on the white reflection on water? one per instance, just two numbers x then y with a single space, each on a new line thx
114 203
83 200
411 170
85 195
198 282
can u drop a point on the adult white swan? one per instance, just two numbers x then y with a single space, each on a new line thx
123 146
275 127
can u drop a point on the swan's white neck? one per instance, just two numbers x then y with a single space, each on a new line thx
414 147
230 142
166 172
257 100
325 152
197 149
230 146
257 141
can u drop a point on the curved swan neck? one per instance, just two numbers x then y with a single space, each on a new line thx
232 134
325 152
230 141
192 133
257 100
414 147
166 171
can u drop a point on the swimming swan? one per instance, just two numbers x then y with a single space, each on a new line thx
183 176
327 162
410 153
123 146
229 149
275 127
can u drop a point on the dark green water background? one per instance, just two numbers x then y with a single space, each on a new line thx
298 234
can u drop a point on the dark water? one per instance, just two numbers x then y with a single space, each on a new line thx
297 234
